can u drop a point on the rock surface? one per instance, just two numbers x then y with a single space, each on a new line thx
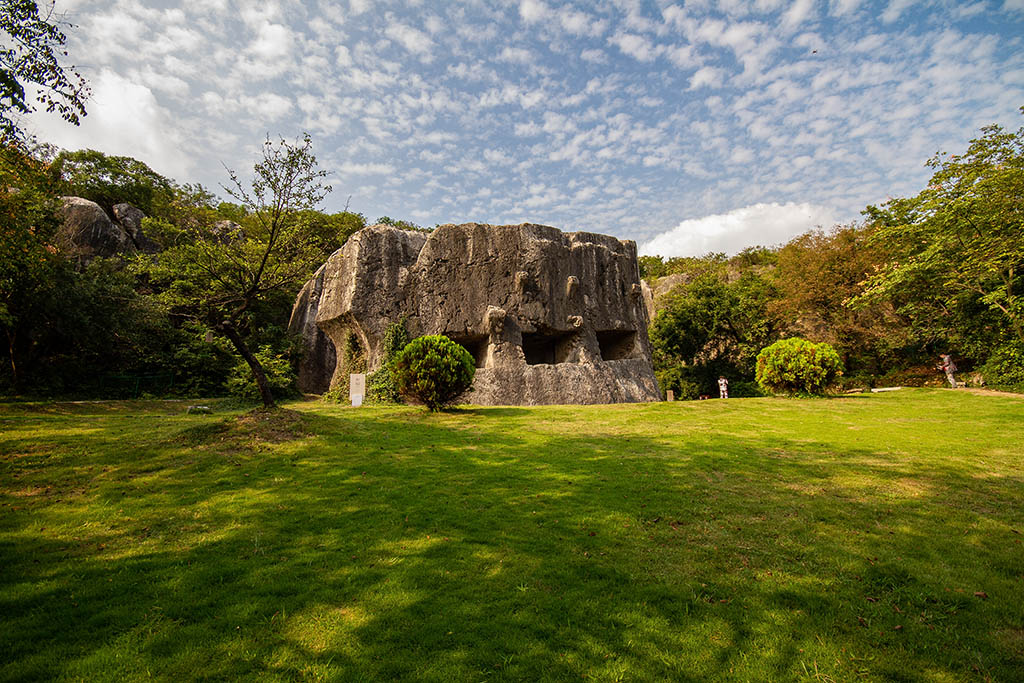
130 218
87 231
550 317
318 359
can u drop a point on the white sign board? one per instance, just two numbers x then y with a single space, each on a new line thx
357 389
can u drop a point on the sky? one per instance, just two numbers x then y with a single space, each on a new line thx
689 127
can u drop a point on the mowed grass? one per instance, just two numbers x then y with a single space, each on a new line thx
871 537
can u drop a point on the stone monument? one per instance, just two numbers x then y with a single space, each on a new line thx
550 317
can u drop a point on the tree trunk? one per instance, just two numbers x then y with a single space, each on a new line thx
231 333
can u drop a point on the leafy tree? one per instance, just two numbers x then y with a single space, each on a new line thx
221 274
27 258
330 231
109 180
433 370
817 274
403 225
710 326
30 55
959 244
652 267
797 366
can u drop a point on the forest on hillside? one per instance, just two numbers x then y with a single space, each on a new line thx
939 272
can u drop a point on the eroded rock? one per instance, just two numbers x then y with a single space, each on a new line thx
550 317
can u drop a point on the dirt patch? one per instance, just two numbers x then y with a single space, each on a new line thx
276 425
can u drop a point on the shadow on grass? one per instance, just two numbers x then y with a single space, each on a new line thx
399 545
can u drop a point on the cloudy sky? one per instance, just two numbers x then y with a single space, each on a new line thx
688 126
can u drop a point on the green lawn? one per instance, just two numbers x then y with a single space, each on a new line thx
873 537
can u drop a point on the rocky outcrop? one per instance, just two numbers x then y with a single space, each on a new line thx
550 317
87 232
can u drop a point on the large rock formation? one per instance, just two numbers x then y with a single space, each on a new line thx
86 231
550 317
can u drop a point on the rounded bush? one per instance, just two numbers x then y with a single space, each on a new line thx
433 370
798 366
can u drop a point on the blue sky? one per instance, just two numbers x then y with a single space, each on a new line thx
686 126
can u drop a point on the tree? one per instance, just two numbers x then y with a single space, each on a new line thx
711 325
434 370
28 260
109 180
797 366
30 56
959 244
221 271
817 274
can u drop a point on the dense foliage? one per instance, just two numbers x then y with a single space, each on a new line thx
219 272
120 327
433 370
798 366
109 180
713 324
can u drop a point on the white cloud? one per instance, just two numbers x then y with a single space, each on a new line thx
408 37
516 55
533 11
707 76
352 168
125 119
636 46
759 224
895 9
799 12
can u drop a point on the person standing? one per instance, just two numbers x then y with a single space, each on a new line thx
723 387
949 367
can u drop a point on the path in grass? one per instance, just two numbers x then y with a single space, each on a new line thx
875 537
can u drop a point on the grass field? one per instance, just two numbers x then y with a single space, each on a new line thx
873 537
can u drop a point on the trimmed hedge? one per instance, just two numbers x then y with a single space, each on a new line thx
433 370
798 366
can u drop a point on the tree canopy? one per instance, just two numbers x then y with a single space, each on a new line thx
30 56
959 243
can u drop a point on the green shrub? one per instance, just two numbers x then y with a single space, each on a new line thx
433 370
380 385
798 366
679 380
1005 367
277 369
741 388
